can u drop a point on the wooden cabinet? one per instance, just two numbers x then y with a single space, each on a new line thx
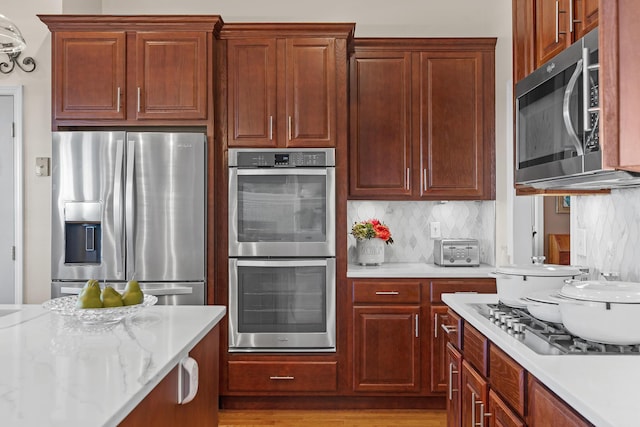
380 157
487 387
130 69
286 84
386 337
473 396
430 133
619 84
559 23
546 409
523 21
160 407
442 316
454 385
278 377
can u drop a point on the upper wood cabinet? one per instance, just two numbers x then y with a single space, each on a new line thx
286 84
422 119
130 68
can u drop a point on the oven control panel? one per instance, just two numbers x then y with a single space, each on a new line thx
270 158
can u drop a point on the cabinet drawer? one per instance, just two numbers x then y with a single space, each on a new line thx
481 286
453 329
382 292
475 348
282 376
507 378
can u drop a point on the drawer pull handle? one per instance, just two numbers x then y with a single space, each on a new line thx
448 328
451 373
387 293
278 378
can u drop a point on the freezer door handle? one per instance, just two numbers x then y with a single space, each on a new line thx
168 291
157 292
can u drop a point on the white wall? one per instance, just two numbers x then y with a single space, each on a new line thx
402 18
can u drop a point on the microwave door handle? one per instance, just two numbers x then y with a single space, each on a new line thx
565 109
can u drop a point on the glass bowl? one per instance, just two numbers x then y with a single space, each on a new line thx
67 307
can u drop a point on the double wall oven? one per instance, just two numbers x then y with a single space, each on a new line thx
282 274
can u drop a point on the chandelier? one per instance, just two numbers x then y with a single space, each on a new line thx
12 43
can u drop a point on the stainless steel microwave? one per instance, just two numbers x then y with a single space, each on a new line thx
557 123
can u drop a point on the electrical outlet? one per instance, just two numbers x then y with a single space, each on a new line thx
581 242
435 230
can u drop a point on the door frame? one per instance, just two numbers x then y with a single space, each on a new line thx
18 199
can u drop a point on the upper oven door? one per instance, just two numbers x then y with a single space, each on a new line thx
549 119
282 212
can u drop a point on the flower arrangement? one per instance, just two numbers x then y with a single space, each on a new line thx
370 229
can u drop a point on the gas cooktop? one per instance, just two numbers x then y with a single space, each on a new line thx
545 337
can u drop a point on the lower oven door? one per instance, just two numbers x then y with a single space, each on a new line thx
282 305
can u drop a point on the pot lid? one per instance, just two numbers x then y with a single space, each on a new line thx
545 270
602 291
546 296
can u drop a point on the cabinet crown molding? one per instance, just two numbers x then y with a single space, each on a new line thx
212 23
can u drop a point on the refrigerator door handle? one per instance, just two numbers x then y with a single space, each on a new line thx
130 209
117 206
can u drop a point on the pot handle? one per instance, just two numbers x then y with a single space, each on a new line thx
497 275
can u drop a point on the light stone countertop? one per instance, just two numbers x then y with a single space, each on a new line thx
417 270
55 371
603 388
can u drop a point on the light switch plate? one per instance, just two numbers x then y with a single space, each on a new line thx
42 166
435 230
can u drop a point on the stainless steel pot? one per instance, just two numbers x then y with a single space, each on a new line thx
602 311
515 282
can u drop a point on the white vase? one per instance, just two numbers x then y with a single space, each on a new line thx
370 251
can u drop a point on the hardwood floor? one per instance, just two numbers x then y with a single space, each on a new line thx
352 418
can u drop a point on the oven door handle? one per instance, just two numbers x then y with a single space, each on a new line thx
282 171
282 263
565 109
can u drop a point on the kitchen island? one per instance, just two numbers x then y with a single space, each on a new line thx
56 371
602 388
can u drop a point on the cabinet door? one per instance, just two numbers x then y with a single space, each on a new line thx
439 340
251 112
380 143
454 366
552 29
386 349
452 113
171 75
501 414
89 75
523 39
546 409
310 93
473 397
586 17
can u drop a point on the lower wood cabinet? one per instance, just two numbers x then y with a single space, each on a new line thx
160 408
486 387
386 348
258 376
546 409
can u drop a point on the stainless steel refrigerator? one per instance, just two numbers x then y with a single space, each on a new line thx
130 205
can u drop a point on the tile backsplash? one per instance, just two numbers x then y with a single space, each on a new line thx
410 229
611 224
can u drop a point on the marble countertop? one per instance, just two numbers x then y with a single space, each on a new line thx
416 270
603 388
55 371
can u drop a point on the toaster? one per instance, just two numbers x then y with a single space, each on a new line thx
456 252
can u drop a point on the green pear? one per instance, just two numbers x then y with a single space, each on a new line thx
89 296
132 294
111 298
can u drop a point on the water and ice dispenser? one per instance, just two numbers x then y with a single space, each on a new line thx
83 232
